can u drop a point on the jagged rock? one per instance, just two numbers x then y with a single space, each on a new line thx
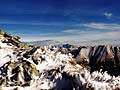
103 57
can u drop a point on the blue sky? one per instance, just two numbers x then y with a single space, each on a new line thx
61 19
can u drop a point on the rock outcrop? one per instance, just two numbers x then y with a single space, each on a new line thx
103 57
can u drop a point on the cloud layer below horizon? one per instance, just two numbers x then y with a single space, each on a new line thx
80 32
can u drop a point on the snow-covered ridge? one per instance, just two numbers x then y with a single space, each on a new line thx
50 67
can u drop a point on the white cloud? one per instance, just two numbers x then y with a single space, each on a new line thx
103 26
110 31
114 34
108 14
63 36
70 31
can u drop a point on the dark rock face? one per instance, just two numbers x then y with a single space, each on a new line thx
75 52
99 57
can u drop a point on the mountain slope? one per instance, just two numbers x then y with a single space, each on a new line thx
66 68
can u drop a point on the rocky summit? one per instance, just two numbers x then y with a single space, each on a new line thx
26 67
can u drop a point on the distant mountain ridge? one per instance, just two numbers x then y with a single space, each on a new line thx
115 42
44 42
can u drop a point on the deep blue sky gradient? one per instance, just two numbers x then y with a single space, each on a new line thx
42 17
